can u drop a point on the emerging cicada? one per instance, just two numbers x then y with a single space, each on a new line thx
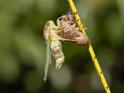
65 30
54 46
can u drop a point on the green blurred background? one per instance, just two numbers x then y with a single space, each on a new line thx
23 50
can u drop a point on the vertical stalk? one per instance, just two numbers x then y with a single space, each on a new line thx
90 48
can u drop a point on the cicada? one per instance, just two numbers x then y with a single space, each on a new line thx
65 30
54 46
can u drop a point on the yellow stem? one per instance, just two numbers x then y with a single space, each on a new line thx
90 48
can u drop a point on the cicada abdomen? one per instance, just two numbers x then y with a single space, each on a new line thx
57 53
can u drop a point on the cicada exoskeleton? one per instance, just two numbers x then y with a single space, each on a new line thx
70 30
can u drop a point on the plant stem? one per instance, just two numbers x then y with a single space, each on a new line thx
90 48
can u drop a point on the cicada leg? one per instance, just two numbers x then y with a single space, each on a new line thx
64 39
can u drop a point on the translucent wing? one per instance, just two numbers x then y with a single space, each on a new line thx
48 61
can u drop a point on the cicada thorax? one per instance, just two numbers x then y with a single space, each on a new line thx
48 28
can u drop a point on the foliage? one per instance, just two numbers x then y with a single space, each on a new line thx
23 51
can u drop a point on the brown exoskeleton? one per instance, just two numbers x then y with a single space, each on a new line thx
65 30
70 30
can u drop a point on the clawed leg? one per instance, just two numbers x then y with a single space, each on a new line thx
63 39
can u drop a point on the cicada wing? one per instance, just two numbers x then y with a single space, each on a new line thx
48 58
48 61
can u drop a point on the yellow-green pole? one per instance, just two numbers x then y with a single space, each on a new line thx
90 48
